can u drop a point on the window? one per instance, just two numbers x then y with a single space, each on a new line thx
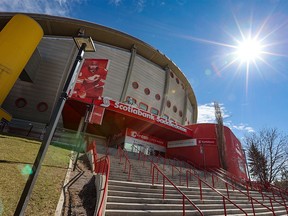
183 87
154 111
143 106
165 116
135 85
175 109
171 75
147 91
157 97
42 107
20 102
130 100
177 80
168 103
180 113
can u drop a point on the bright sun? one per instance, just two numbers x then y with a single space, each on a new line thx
249 50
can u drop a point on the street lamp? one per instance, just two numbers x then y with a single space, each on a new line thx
83 43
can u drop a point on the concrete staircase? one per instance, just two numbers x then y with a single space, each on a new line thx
139 197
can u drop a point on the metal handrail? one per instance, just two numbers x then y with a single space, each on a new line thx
233 178
179 170
102 166
153 167
248 196
223 197
121 153
183 195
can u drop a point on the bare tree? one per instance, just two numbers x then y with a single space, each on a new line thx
267 156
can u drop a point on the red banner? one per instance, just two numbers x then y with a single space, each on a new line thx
96 115
91 80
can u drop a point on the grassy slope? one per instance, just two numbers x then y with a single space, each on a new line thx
15 154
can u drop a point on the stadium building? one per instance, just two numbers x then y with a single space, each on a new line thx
128 92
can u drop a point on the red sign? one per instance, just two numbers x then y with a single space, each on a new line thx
145 137
140 114
96 115
206 141
91 80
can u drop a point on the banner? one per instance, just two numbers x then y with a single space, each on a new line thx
91 80
96 115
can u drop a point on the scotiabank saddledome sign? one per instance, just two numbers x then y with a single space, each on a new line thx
140 114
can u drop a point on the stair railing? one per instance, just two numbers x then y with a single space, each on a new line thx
246 194
165 178
200 182
237 180
100 166
152 172
198 167
121 153
179 170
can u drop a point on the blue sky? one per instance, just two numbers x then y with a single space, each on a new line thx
201 37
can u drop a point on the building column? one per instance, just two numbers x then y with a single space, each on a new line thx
166 89
129 72
185 107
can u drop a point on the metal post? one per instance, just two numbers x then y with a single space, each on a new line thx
25 196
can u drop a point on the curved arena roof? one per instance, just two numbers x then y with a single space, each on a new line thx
67 27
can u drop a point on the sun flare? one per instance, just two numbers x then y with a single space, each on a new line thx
249 50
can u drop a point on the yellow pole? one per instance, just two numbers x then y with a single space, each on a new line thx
18 40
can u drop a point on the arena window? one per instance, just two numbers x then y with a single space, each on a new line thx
166 116
20 102
175 109
171 75
130 100
147 91
168 103
143 106
157 97
177 80
135 85
42 107
154 111
180 113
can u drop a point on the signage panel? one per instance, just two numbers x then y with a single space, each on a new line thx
140 114
181 143
206 141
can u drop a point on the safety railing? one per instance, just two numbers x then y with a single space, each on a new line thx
224 198
255 188
127 164
100 166
165 178
179 171
249 197
197 167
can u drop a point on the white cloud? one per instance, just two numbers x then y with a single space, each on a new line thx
51 7
206 114
115 2
243 127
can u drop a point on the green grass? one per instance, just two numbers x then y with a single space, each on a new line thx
16 157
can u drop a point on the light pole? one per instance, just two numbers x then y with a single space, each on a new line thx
84 44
